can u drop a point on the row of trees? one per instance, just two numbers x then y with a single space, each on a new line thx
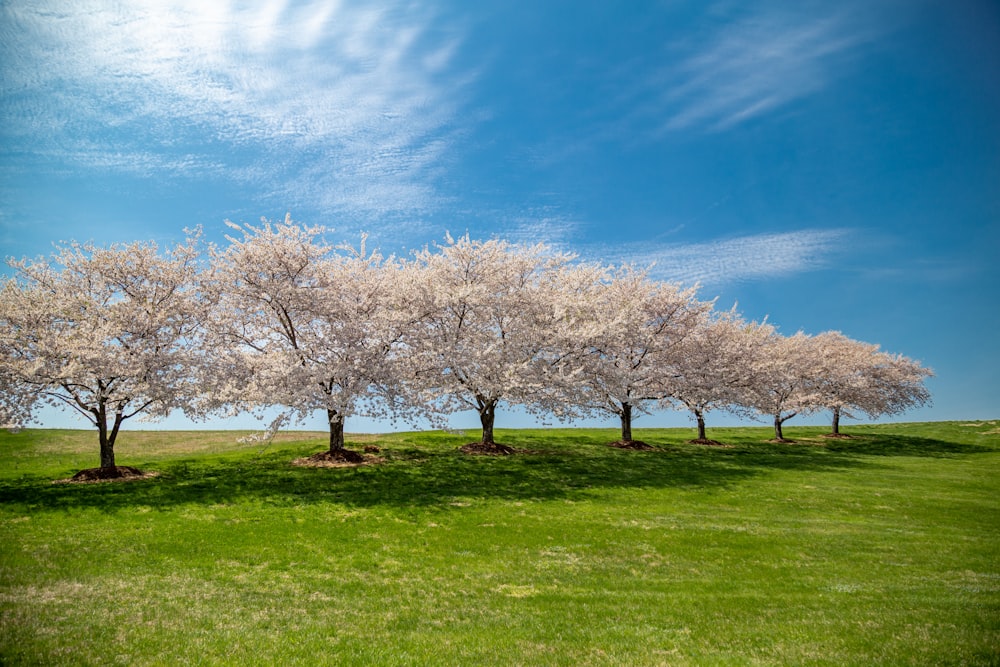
279 317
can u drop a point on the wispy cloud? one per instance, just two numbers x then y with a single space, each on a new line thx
749 67
543 225
347 105
733 260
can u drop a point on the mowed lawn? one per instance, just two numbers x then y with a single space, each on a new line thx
883 549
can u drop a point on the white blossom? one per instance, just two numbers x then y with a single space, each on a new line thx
301 324
633 330
106 332
485 326
712 367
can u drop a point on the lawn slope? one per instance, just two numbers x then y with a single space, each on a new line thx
881 549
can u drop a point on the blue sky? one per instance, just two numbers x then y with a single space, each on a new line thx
827 165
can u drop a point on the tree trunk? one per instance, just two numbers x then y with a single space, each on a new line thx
107 447
836 421
487 416
700 416
626 417
107 438
778 421
336 431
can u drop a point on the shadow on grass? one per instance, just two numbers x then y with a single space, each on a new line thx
416 477
404 480
901 445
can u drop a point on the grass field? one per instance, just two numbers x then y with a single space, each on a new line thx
883 549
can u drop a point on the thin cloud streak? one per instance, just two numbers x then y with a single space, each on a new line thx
754 67
747 69
717 79
735 260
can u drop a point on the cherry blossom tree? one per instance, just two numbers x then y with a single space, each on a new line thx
565 317
105 332
712 367
855 376
841 378
303 325
784 385
895 385
486 328
636 326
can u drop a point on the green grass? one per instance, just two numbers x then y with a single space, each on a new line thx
884 549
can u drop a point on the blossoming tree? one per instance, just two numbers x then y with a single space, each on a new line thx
785 368
105 332
486 326
857 377
636 326
303 325
712 367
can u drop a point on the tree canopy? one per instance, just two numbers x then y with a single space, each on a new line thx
280 317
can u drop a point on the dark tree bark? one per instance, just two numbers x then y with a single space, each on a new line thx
836 422
337 450
107 448
778 421
487 445
107 438
700 417
626 419
702 438
487 416
336 431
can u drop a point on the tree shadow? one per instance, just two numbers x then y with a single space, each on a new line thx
901 445
426 480
412 476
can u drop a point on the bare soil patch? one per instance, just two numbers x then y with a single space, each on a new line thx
487 449
638 445
343 458
838 436
115 474
707 442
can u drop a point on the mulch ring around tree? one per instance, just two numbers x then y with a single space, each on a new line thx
707 442
341 458
113 474
638 445
487 449
838 436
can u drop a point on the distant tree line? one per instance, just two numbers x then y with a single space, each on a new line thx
278 317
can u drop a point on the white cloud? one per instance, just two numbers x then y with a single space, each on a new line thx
753 66
549 227
330 96
734 260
